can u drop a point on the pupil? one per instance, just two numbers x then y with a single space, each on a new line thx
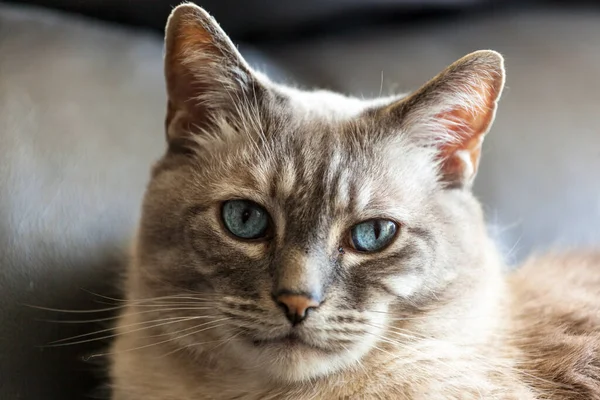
246 216
377 229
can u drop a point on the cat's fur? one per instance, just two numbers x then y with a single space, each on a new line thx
430 317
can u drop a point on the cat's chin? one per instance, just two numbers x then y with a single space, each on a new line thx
290 359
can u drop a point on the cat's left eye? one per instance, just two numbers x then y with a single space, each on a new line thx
373 235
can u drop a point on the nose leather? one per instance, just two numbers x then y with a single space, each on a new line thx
296 306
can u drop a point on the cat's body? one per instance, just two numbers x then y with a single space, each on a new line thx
305 245
556 323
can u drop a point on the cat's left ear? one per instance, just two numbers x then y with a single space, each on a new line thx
453 112
206 76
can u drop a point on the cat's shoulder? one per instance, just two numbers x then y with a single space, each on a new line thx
572 276
556 304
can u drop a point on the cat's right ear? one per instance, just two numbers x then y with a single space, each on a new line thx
205 74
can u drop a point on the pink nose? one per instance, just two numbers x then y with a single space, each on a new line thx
296 306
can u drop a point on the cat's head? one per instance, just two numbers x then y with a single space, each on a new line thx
299 226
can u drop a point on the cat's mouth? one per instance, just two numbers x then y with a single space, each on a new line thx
290 341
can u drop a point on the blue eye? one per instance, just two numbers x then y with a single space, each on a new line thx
245 219
373 235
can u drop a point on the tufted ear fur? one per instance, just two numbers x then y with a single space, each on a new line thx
206 76
453 112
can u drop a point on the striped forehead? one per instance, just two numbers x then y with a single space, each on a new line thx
324 179
349 188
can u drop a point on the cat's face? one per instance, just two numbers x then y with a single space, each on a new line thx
300 226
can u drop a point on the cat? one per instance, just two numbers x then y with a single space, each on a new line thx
308 245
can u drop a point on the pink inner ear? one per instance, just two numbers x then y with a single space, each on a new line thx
468 128
198 60
189 44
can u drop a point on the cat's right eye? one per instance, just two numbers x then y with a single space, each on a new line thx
245 219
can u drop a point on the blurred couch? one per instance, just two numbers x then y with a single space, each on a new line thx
81 121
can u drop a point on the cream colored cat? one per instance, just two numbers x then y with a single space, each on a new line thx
307 245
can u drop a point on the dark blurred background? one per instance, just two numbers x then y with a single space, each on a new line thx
81 120
272 20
